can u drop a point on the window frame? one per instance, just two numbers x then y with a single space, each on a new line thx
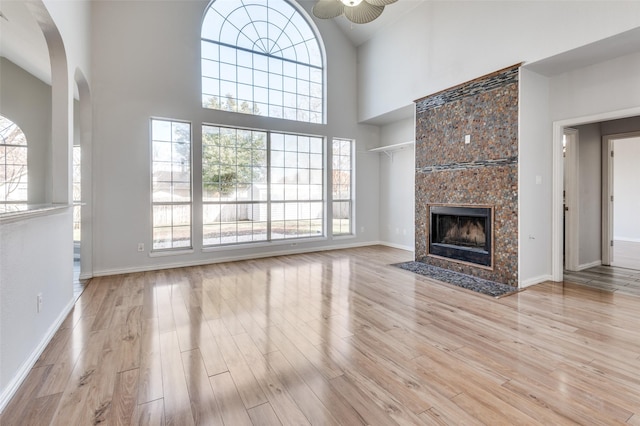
316 93
18 204
270 200
351 199
153 203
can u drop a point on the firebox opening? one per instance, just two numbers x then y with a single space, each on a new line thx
461 233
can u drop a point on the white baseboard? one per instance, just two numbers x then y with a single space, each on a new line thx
230 258
397 246
85 276
589 265
535 280
26 366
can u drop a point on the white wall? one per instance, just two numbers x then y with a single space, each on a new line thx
597 89
626 195
534 179
589 194
33 260
36 250
590 94
397 186
130 88
27 102
442 43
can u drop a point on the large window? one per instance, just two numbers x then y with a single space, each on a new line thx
342 182
261 186
77 193
234 180
13 166
261 57
171 184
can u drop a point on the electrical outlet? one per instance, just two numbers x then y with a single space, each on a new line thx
140 246
39 303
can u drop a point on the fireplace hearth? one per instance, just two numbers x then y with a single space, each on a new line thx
461 234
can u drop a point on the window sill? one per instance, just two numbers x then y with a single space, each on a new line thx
344 236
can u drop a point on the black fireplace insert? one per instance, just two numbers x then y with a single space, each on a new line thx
461 233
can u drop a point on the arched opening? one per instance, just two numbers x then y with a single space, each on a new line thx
14 177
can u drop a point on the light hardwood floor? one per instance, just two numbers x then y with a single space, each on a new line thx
338 337
622 277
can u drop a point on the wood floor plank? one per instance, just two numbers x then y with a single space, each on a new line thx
312 407
263 415
337 337
246 383
150 413
150 379
177 405
276 392
204 406
232 409
124 398
18 408
74 406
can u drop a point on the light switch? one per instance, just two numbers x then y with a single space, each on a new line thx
538 180
467 139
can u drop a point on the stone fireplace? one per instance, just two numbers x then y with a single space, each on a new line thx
467 158
461 233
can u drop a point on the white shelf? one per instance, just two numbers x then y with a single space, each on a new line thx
388 149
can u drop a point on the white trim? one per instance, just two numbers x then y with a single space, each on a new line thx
291 242
535 280
33 211
572 199
607 192
133 269
589 265
557 187
25 368
85 276
606 204
627 239
397 246
170 252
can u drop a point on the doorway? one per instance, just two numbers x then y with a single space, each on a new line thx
608 123
621 201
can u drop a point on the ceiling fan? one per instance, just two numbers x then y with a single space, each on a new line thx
356 11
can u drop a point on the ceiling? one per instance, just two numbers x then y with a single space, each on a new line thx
622 44
360 33
22 40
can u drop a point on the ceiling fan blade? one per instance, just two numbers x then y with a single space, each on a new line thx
380 2
363 13
327 9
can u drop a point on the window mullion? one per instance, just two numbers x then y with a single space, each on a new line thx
268 186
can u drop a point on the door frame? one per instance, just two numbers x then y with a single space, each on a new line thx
572 200
558 176
607 193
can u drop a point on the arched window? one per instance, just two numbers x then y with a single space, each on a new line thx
13 165
261 57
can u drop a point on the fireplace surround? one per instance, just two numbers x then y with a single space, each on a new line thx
461 233
467 155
